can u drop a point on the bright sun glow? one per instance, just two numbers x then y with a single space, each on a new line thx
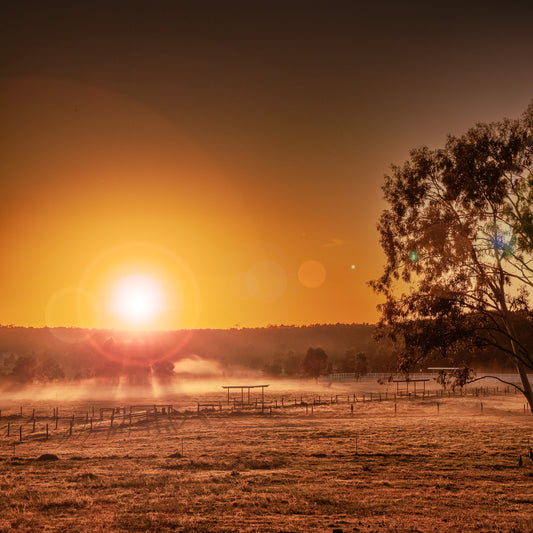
137 300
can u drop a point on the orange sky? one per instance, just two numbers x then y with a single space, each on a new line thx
237 159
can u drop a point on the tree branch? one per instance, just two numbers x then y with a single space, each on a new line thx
499 379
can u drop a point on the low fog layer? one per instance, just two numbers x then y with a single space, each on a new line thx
78 364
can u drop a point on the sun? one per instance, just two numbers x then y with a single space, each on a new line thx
140 286
137 300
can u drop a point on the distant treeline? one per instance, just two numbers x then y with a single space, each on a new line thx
43 354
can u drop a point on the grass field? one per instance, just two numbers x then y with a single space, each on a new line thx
390 466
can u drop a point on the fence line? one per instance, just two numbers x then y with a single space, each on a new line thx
127 416
385 376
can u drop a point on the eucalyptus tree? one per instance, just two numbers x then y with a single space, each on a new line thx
458 240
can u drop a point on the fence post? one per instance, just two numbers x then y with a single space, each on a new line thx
46 431
20 433
8 428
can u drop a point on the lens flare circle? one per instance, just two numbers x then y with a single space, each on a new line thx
75 306
144 284
266 281
312 274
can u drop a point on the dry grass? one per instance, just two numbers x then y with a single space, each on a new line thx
413 470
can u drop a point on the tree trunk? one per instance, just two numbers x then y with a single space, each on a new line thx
526 385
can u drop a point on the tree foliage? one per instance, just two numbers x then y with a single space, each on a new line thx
315 362
458 377
361 364
458 239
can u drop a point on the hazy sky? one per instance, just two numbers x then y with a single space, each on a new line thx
232 153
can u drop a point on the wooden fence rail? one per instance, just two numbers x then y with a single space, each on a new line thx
35 425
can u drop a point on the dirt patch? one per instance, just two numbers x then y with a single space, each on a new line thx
47 457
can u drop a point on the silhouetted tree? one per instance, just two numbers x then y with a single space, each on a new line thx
315 362
273 368
24 369
361 364
458 236
348 362
49 370
163 369
293 364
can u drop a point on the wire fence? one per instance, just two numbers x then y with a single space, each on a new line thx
25 424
